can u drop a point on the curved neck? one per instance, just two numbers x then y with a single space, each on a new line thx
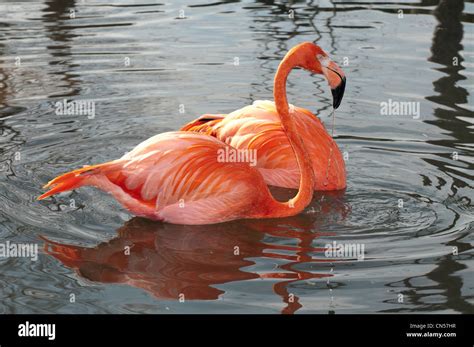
305 190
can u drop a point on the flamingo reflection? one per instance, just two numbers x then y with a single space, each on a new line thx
178 261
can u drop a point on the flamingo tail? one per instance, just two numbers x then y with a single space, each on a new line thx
71 180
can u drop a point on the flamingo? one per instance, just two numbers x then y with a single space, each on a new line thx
257 127
176 177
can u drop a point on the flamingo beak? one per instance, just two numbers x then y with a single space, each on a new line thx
338 92
336 79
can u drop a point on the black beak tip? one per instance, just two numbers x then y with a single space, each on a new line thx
338 93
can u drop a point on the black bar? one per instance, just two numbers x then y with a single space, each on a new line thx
156 330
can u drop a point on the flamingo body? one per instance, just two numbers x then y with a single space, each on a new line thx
180 177
176 177
257 127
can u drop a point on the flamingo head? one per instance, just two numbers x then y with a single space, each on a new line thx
311 57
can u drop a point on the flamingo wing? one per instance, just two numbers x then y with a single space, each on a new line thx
257 127
204 124
176 177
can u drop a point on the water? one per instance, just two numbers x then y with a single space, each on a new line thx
409 199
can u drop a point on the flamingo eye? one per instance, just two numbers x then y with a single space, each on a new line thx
323 60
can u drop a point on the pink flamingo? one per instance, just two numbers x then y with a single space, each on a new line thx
257 127
176 177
